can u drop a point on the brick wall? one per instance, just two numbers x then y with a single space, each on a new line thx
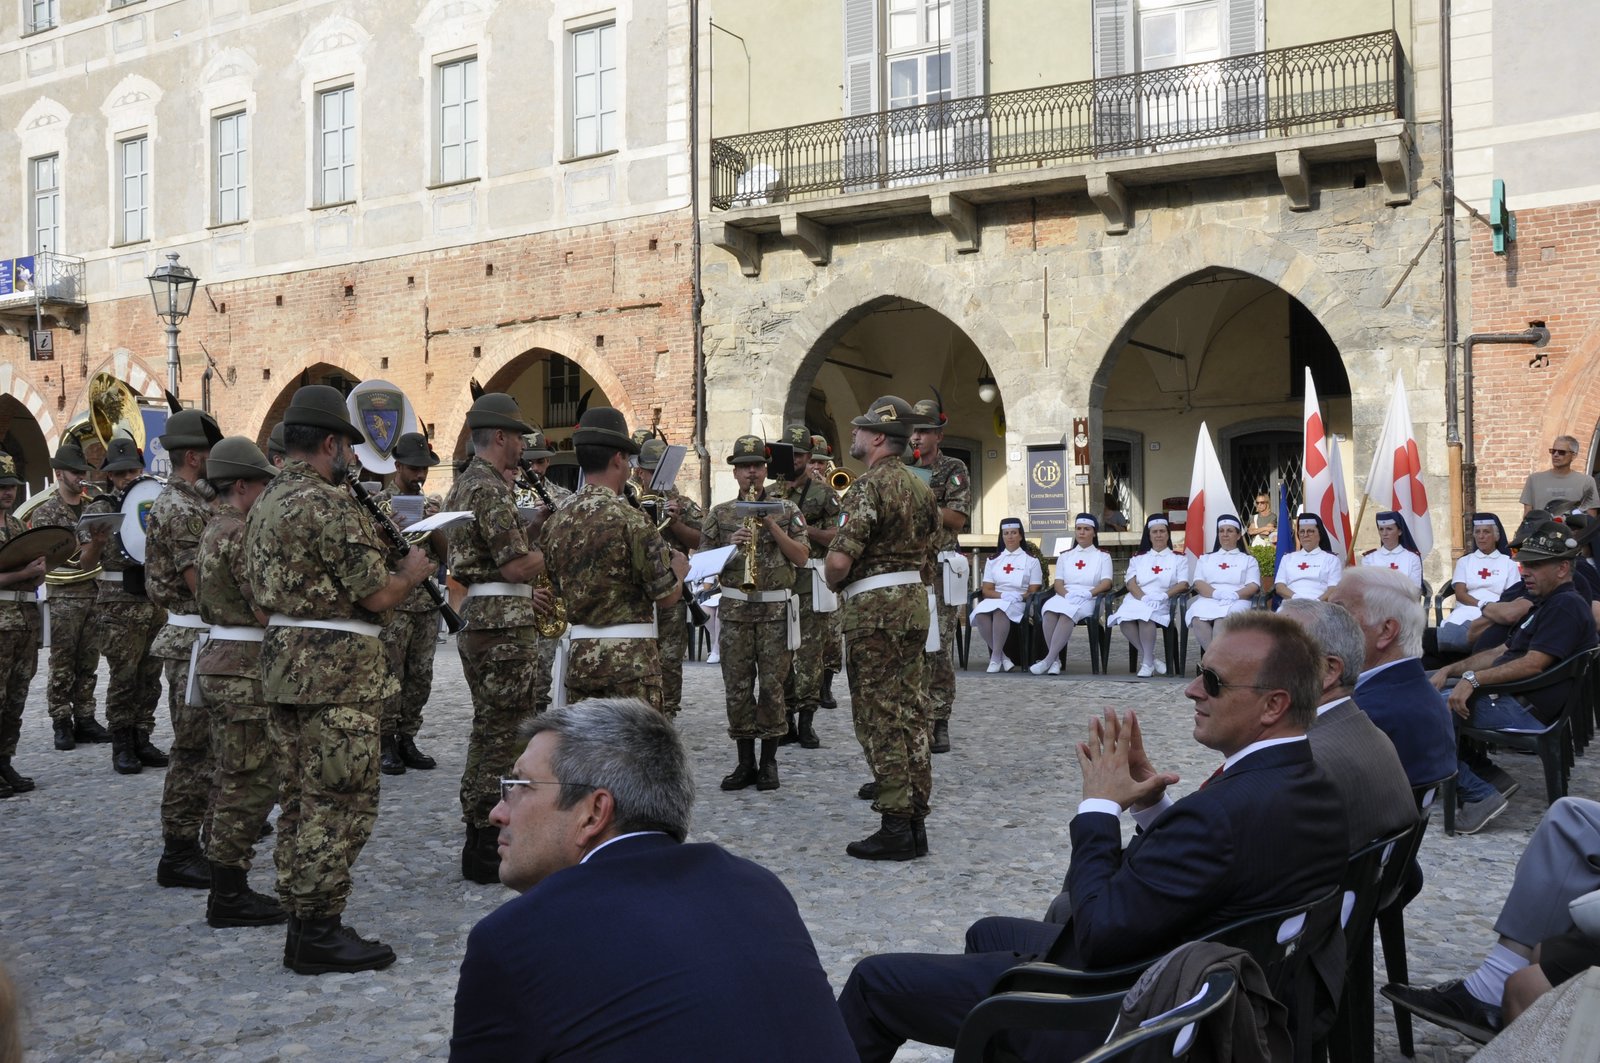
1550 273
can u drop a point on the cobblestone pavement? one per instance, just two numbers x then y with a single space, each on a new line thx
112 967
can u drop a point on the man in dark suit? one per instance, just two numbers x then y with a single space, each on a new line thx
1267 831
627 944
1393 690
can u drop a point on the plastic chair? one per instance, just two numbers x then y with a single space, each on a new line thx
1019 640
1553 744
1396 895
1174 636
1095 622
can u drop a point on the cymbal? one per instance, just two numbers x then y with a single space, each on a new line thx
55 545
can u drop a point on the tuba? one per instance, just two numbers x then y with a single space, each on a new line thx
113 409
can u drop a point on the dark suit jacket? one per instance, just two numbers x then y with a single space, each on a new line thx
1268 833
652 950
1407 708
1366 770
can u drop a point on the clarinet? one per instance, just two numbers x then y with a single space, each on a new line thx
697 613
400 547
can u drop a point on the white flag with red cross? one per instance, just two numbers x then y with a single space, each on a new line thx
1208 499
1395 481
1324 479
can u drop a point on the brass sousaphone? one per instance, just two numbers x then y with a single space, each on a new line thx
113 410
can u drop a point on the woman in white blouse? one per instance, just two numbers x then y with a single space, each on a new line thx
1225 581
1309 571
1083 572
1154 575
1481 576
1009 576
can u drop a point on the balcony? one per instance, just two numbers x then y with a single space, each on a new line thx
41 284
1278 110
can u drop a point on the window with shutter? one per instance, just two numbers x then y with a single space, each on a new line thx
1115 99
862 136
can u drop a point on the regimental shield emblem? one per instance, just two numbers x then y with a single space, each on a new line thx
143 511
378 413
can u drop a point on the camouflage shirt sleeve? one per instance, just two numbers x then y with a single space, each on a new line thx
652 561
347 545
858 518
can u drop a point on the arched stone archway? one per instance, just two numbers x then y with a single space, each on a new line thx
286 380
23 436
132 371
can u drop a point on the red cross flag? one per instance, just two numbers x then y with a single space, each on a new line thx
1395 481
1208 499
1324 476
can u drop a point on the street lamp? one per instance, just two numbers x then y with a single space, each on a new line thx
172 287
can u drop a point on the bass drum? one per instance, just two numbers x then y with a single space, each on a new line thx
136 503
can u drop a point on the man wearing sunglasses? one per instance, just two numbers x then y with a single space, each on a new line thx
1266 831
1561 488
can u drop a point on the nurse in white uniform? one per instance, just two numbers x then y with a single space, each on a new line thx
1008 578
1396 549
1154 575
1083 573
1481 576
1309 571
1225 581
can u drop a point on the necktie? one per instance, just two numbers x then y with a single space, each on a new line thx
1214 776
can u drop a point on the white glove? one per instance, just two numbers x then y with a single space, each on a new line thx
1011 596
1225 594
1154 596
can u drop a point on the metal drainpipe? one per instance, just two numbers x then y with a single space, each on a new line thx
1537 336
697 295
1447 183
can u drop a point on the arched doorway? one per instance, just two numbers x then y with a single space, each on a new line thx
23 439
898 346
1225 348
333 376
548 387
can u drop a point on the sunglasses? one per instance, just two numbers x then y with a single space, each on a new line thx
1556 452
1213 683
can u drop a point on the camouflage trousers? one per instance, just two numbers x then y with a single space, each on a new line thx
124 631
940 668
249 766
752 650
890 716
410 640
186 794
614 668
672 626
804 685
499 666
833 649
544 660
19 659
74 658
329 800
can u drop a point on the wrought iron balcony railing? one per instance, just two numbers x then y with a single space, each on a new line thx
1282 92
44 277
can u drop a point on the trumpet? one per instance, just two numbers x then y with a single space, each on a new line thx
747 556
841 479
550 625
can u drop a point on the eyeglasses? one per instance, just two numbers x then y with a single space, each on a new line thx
1556 452
508 785
1213 683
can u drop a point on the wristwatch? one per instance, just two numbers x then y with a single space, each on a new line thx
1471 677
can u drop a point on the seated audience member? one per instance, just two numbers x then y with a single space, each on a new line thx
626 943
1309 571
1481 576
1499 618
1010 577
1393 690
1155 574
1264 832
1559 624
1225 581
1396 549
1539 945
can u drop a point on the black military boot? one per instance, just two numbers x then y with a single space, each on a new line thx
183 864
20 784
919 834
893 841
88 729
825 700
868 791
389 761
326 946
124 759
234 903
148 754
767 772
808 735
413 757
480 856
745 772
792 735
941 737
64 738
6 790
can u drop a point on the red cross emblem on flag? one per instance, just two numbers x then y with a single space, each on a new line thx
1008 569
1080 564
1304 566
1484 573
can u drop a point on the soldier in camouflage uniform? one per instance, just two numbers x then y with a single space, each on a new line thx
74 653
319 570
612 569
819 505
952 490
19 633
682 532
494 557
177 520
757 596
247 748
275 452
880 561
536 455
126 622
413 631
820 466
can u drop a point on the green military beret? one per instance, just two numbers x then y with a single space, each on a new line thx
497 410
238 458
535 445
749 450
319 406
121 456
798 436
602 426
412 449
188 429
69 456
8 471
890 415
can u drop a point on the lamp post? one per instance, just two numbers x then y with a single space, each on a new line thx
172 287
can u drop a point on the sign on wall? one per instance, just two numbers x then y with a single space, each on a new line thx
16 275
1047 490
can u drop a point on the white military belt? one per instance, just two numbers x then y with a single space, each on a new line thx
499 590
17 596
615 631
354 627
232 633
186 620
110 577
875 583
755 597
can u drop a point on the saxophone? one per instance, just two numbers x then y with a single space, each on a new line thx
550 625
752 525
